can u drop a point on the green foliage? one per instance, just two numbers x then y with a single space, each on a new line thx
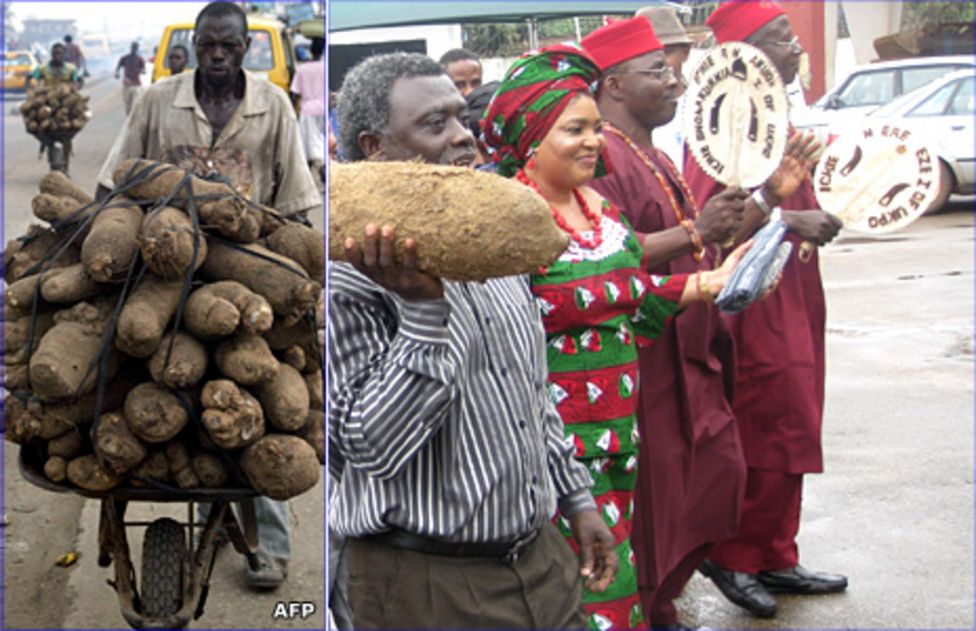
496 40
923 15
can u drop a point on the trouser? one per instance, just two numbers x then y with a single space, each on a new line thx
129 95
768 527
659 602
391 587
274 533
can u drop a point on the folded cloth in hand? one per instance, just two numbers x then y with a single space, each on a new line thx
758 269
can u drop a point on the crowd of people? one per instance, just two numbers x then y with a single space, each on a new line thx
565 449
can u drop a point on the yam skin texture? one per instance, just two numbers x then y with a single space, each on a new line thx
67 445
154 467
294 356
15 336
24 253
56 469
281 466
209 469
22 292
467 225
314 432
147 311
112 243
167 241
285 400
187 361
220 309
179 466
19 427
116 447
282 337
57 183
59 366
246 359
16 377
284 284
48 420
154 413
68 284
85 472
59 209
316 386
232 416
302 244
230 215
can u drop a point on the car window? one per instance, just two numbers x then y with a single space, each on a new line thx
869 88
912 78
18 60
962 102
258 57
936 103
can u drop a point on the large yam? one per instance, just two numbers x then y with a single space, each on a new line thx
59 210
218 205
112 242
154 413
247 360
116 447
280 280
281 466
179 362
232 416
69 284
285 399
57 183
85 472
143 320
314 432
170 246
467 225
24 253
222 308
302 244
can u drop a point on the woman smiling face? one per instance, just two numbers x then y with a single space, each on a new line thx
567 156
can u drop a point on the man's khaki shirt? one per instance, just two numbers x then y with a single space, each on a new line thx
264 128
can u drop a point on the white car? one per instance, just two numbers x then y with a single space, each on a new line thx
941 113
870 86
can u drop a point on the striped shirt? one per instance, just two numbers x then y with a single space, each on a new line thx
440 422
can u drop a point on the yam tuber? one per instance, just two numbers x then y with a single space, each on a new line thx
116 447
281 466
209 469
315 384
280 280
112 242
142 322
285 399
57 183
246 359
167 241
24 253
154 467
232 416
85 472
68 445
56 469
302 244
467 225
68 284
154 413
222 308
179 466
187 361
314 432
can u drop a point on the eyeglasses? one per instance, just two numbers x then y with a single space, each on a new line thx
666 72
793 44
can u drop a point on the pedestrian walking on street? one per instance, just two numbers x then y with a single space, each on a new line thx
74 55
132 66
780 357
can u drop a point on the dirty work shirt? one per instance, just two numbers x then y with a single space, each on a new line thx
53 77
439 419
168 118
132 67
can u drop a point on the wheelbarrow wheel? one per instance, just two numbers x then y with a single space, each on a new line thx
163 552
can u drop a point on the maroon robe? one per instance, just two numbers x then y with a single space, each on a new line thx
691 473
779 345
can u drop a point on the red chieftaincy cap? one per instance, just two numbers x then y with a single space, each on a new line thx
736 20
621 40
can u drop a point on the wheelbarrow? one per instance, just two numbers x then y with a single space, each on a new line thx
175 574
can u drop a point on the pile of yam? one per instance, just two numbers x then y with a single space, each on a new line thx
168 337
467 225
54 110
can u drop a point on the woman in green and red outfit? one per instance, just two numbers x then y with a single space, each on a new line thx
597 301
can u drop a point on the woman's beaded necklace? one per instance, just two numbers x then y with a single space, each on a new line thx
594 218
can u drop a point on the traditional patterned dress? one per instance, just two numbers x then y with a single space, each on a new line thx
598 305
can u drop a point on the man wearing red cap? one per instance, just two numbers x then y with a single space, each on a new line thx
780 359
691 472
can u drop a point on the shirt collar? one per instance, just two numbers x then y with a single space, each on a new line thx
254 102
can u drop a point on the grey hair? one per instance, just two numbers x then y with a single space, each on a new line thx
364 99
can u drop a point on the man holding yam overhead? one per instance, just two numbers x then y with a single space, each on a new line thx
448 449
779 391
221 121
690 473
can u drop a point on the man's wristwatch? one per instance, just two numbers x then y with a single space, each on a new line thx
757 197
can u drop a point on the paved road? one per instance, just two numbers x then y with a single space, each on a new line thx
43 525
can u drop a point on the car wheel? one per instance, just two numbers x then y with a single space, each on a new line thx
946 183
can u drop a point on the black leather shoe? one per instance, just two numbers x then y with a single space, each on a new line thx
800 580
742 589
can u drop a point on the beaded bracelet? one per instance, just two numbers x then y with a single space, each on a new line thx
696 240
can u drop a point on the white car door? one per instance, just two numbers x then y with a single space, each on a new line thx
946 119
